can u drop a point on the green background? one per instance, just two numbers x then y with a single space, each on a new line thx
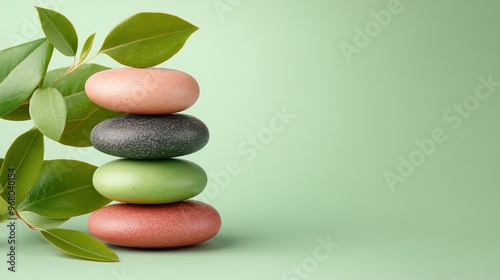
321 175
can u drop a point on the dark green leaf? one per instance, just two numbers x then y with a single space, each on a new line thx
64 189
82 114
22 69
21 113
87 47
59 31
147 39
48 111
39 222
79 244
25 156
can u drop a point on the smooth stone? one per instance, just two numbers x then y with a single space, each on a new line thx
149 91
149 181
177 224
150 137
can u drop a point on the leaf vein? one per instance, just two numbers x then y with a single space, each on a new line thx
146 39
81 121
78 247
55 195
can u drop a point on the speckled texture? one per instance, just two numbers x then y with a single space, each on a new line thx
150 137
149 181
149 91
177 224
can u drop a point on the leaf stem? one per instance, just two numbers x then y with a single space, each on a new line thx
28 224
73 68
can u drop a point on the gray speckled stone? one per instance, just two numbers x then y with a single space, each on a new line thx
150 137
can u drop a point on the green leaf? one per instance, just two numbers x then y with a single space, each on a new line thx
21 113
4 217
4 207
64 190
22 69
48 111
86 48
59 31
147 39
1 166
25 156
82 114
79 244
36 221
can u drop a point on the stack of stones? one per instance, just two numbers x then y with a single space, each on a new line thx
152 185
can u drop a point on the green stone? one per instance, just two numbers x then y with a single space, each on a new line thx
149 181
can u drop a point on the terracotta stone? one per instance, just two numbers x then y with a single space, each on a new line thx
177 224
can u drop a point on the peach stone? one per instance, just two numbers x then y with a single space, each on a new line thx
149 91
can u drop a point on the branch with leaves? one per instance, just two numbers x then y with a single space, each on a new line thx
48 193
